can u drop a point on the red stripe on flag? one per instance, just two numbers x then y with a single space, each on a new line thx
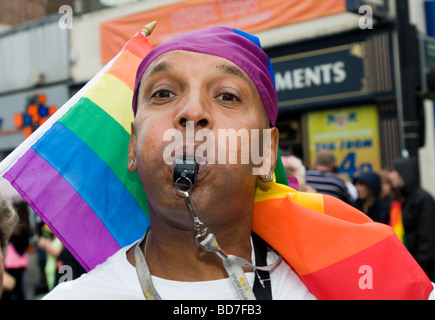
385 270
138 45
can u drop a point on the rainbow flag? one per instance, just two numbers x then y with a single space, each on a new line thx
396 220
337 251
73 169
73 172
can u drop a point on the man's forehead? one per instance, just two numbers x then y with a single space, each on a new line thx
235 46
166 63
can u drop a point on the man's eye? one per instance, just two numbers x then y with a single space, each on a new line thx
228 97
163 94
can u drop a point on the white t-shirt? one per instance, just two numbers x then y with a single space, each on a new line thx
116 279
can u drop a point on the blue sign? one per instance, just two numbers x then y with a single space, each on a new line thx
322 76
378 7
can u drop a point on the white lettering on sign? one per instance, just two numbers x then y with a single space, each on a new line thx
231 8
192 16
300 78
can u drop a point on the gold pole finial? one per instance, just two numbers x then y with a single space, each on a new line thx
148 29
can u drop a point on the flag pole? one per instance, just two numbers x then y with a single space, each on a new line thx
148 29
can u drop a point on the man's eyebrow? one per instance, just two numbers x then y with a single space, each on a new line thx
233 70
160 67
223 68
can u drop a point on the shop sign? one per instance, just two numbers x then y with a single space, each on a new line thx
251 16
322 76
352 134
427 65
378 7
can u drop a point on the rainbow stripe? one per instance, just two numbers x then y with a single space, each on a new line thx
75 173
331 245
396 220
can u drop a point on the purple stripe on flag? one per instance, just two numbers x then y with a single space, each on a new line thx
53 199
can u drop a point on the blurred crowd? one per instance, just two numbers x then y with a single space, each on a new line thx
392 196
32 255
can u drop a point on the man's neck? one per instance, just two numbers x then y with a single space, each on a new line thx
173 254
323 168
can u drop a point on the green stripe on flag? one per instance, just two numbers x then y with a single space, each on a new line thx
109 140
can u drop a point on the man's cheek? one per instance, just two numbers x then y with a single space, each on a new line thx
173 140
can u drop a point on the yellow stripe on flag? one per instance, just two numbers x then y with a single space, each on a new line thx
117 106
273 190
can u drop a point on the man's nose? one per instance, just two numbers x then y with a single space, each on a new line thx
195 108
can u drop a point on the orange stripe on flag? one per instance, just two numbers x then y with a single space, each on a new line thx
124 68
126 64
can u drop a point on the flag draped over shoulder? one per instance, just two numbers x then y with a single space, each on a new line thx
337 251
73 170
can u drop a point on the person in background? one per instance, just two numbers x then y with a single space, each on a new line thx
8 220
351 189
294 167
368 185
57 257
417 212
53 247
324 179
17 257
388 194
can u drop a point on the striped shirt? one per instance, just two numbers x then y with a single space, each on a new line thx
326 182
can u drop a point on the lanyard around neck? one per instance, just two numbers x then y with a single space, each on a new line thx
233 265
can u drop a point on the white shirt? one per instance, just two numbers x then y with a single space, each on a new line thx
116 279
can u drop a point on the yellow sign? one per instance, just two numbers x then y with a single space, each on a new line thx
352 134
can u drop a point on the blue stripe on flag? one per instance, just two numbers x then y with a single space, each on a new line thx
95 182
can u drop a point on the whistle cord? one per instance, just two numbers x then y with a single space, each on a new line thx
185 177
262 289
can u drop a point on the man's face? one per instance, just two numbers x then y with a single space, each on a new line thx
212 93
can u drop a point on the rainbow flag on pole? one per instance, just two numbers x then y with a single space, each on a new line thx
73 169
73 172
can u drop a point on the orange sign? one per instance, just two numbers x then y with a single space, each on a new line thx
184 16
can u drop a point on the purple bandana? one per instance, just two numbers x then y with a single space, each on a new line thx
237 46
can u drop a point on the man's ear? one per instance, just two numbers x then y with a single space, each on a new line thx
131 161
274 145
270 150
